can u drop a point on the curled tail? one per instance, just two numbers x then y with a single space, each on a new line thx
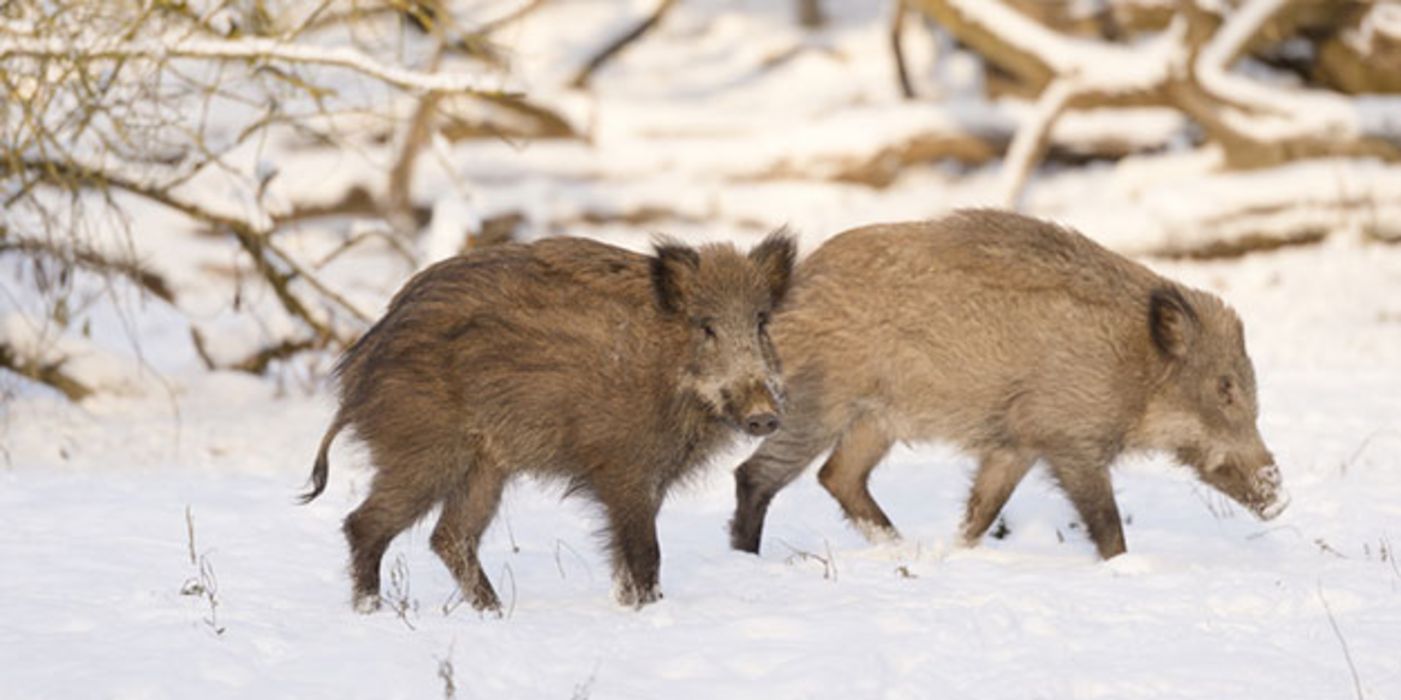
323 464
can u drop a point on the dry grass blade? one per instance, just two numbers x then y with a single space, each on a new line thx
1342 642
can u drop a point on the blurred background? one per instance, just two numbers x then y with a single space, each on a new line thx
241 184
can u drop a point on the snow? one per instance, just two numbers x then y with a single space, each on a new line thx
1208 602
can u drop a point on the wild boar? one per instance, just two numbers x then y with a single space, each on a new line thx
1017 340
615 371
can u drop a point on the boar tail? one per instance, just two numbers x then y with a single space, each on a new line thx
323 463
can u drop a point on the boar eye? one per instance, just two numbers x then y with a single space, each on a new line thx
1226 388
709 330
763 320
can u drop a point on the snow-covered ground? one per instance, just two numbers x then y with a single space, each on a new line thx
1208 603
151 547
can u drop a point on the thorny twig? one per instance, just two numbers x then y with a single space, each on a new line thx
1327 548
399 595
829 562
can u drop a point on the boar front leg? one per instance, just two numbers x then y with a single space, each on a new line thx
847 472
778 461
999 472
637 558
467 511
1085 480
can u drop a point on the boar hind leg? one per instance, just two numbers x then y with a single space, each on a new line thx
776 463
999 472
846 473
1086 482
637 558
467 511
394 503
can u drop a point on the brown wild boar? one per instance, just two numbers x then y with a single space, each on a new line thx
615 371
1016 340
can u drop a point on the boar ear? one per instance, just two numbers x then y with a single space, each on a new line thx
1171 321
673 270
774 258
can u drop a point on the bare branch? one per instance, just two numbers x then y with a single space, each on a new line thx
585 74
511 17
416 136
1031 140
897 50
253 239
250 49
82 256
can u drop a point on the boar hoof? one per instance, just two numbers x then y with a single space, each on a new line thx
631 596
878 534
366 603
487 605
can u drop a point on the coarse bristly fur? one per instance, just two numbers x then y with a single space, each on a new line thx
617 372
1017 340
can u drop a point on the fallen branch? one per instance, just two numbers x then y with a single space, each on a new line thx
1292 220
49 374
535 121
1364 55
972 141
258 361
1262 125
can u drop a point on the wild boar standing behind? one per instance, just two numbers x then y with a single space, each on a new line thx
615 371
1018 341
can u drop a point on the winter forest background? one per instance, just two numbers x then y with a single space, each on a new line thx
205 201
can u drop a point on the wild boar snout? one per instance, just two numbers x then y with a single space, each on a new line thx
757 408
1253 482
1271 496
761 424
1264 492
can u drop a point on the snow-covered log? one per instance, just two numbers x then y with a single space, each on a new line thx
1187 67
